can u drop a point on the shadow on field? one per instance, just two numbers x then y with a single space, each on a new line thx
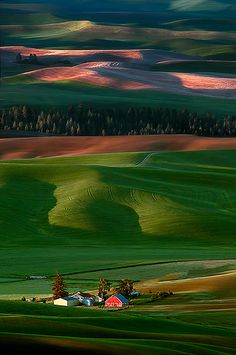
24 206
37 345
103 214
24 215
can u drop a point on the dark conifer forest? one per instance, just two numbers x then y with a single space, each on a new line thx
89 121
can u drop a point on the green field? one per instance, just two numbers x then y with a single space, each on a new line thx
45 31
135 215
139 330
198 66
21 91
88 216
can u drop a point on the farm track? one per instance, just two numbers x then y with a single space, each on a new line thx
146 158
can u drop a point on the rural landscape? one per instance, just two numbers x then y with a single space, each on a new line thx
118 177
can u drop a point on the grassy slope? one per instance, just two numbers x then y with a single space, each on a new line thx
81 33
65 213
198 66
19 92
116 333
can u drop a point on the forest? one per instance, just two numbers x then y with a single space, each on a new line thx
81 120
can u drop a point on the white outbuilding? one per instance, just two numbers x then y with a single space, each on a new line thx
66 301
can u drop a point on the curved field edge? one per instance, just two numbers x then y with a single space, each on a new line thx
102 149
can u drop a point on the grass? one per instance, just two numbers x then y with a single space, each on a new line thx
198 66
208 24
92 330
208 41
19 91
67 215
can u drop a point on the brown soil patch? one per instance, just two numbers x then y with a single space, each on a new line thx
20 148
223 282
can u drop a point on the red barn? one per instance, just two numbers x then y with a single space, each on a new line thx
116 301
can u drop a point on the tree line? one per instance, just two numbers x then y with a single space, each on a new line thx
81 120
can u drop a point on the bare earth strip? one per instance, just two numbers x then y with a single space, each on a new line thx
19 148
217 283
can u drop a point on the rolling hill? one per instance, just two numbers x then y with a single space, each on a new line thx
160 210
172 206
199 35
111 77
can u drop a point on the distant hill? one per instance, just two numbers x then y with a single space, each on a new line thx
171 8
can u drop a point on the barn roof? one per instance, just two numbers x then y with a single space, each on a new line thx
121 298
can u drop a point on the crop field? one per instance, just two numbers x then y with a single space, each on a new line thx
198 66
64 214
157 210
139 329
90 148
61 93
199 74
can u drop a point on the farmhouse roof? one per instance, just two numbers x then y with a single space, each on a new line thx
82 295
67 298
77 295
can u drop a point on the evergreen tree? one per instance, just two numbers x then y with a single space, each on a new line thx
58 287
80 120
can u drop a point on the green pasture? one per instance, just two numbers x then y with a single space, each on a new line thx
38 327
207 24
213 39
115 215
20 91
198 66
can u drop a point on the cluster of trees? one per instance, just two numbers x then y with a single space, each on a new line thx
32 59
81 121
124 287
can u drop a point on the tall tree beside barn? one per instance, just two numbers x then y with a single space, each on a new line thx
59 287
